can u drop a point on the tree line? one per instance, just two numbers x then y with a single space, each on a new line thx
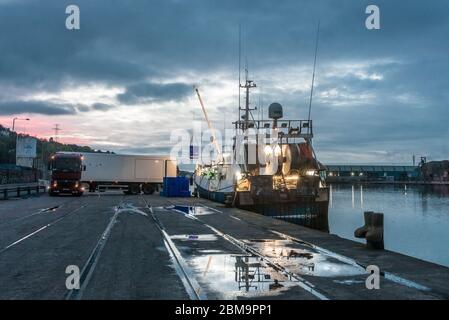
44 147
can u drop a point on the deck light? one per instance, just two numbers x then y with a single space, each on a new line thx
310 172
268 150
277 151
238 175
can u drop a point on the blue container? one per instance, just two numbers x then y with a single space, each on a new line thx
176 187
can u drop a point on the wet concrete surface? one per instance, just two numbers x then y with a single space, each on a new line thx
35 267
134 263
226 253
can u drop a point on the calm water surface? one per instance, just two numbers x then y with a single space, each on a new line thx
416 218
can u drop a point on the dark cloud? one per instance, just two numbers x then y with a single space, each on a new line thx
48 108
102 107
154 92
122 43
137 44
18 107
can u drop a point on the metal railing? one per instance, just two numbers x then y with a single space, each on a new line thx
286 128
7 192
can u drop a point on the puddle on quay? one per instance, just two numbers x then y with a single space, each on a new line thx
349 281
301 260
130 208
51 209
211 251
191 210
233 276
194 237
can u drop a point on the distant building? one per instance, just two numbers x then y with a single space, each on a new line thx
436 171
371 173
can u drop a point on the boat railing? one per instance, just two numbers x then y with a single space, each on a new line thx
287 129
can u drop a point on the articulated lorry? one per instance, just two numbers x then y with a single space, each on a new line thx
74 173
65 172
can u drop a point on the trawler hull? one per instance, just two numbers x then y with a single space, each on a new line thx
304 212
311 212
213 195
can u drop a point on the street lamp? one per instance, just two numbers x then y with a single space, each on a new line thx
14 121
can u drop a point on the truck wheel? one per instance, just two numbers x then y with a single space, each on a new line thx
134 189
148 188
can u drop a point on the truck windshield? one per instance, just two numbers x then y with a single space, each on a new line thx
67 164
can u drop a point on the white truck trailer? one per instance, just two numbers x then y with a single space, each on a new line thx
132 173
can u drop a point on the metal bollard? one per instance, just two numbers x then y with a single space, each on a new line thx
373 230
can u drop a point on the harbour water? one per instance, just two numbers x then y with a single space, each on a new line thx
416 217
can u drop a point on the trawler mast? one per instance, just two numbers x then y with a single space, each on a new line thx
285 182
249 84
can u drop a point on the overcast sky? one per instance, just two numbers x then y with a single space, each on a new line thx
124 80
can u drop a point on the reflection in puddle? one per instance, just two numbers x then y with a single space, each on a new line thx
349 281
299 260
210 251
130 208
239 275
51 209
192 210
194 237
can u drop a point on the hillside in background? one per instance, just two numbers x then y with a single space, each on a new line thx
44 147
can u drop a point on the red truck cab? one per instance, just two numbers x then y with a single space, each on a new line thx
66 169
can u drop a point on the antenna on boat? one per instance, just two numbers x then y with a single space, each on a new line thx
249 84
209 124
314 67
240 63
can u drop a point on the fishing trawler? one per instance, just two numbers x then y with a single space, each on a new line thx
272 169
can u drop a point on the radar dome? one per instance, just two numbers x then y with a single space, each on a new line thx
275 111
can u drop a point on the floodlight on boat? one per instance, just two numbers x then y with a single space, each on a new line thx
277 151
268 150
238 175
292 177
